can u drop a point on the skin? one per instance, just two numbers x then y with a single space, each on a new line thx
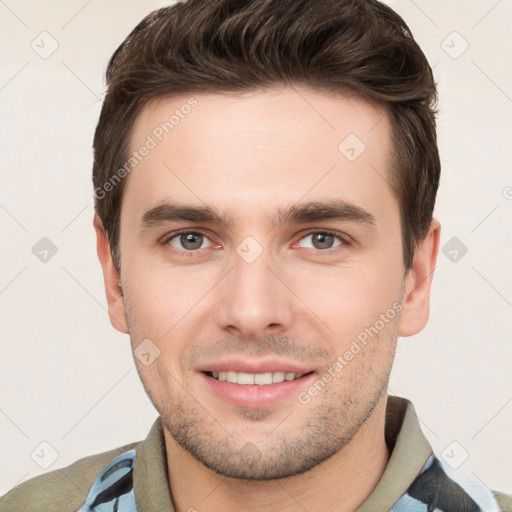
247 156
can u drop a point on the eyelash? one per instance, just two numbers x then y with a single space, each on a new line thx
341 236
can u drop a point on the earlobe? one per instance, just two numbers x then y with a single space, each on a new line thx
416 300
111 278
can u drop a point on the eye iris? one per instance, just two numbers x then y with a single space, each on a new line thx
191 240
324 240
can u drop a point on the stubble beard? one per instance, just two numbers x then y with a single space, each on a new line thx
331 426
334 421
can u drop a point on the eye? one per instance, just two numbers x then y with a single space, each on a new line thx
322 240
189 241
192 241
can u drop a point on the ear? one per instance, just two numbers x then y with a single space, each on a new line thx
111 277
416 302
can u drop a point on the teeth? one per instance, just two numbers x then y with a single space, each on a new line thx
263 379
245 378
278 377
260 379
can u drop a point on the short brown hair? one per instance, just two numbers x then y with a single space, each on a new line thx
241 45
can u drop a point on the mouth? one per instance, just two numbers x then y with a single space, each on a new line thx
255 386
255 379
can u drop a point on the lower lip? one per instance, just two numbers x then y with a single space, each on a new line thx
254 396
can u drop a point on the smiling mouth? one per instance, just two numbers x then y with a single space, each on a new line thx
258 379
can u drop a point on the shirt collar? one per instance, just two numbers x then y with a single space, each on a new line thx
409 452
150 481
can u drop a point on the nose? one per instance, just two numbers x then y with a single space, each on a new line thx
252 300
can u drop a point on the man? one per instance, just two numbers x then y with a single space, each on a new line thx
265 174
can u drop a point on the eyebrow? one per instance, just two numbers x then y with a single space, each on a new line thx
299 213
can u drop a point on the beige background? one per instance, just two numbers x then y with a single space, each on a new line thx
67 378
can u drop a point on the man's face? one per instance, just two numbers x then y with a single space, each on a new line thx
264 296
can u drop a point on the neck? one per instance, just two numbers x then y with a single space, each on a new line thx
341 483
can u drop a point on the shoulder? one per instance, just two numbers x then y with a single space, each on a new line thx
504 501
64 489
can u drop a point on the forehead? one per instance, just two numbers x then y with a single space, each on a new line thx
259 149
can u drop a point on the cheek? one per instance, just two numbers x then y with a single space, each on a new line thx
348 299
164 301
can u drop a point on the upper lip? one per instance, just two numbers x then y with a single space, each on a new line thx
261 366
